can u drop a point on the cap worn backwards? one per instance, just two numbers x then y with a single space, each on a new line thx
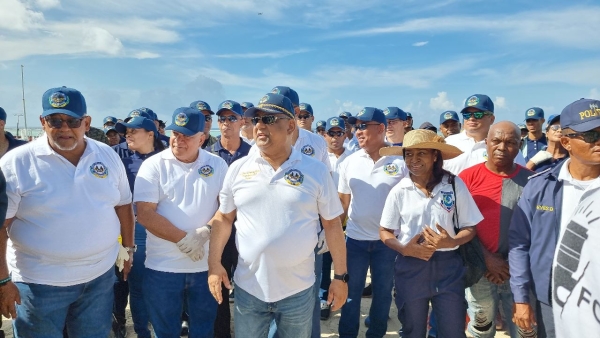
392 113
288 92
63 100
449 115
479 101
231 106
333 122
187 120
201 105
581 115
272 104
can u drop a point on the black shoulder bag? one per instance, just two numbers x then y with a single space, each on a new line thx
471 252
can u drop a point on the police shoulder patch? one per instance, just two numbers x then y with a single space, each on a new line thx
206 171
447 201
99 170
294 177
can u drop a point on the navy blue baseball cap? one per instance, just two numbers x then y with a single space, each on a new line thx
2 114
553 118
449 115
187 121
138 122
479 101
109 129
246 105
522 126
201 105
110 119
333 122
273 104
150 113
345 115
136 113
369 114
230 105
307 108
581 115
428 126
63 100
408 115
392 113
288 92
534 113
321 124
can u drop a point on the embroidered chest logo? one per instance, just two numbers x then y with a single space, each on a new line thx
99 170
391 169
249 174
308 150
447 201
294 177
206 171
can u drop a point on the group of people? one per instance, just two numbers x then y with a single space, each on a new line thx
289 222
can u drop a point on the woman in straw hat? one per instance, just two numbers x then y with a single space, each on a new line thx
418 222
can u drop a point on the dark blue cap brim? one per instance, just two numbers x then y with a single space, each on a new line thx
181 130
553 119
251 112
352 120
224 109
475 106
61 111
121 127
450 119
533 118
586 126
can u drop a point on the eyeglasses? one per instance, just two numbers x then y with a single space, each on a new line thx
267 119
477 114
591 136
335 133
555 127
57 123
207 118
364 126
303 117
229 118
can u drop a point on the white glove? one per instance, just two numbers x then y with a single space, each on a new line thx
322 243
540 157
121 258
193 243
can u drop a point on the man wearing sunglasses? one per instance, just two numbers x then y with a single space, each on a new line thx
246 132
396 122
305 117
365 179
321 128
544 213
230 147
208 113
278 195
69 200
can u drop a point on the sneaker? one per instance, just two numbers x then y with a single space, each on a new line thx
185 329
325 310
231 296
367 291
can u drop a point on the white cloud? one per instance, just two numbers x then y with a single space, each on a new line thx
146 55
420 44
271 55
500 102
100 40
17 16
441 102
47 4
594 94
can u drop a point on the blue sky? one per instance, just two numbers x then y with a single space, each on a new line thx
340 55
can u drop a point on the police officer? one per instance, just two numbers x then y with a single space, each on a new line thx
535 139
321 128
449 123
396 121
207 112
305 116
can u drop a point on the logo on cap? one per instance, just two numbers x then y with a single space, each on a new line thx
294 177
99 170
227 105
206 171
181 119
302 106
447 201
308 150
276 91
473 100
264 99
59 100
135 113
592 112
391 169
386 111
362 112
335 122
530 112
448 116
201 106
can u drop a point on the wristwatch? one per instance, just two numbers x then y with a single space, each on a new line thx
344 277
131 248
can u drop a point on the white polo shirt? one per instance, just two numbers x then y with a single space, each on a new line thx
186 194
335 162
368 183
278 221
352 144
473 153
408 210
65 227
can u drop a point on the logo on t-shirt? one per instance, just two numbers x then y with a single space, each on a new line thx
391 169
206 171
294 177
99 170
308 150
447 201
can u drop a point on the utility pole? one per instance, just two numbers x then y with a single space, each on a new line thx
24 110
18 119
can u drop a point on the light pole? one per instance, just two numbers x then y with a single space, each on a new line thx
18 118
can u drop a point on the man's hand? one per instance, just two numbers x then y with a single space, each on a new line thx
322 243
216 276
523 316
9 295
418 250
193 243
127 265
497 268
443 240
338 293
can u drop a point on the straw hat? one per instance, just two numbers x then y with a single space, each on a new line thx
423 139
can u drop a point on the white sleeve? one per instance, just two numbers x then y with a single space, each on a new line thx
328 201
325 158
390 217
468 212
147 182
12 185
343 186
226 195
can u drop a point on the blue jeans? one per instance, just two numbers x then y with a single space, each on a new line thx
293 315
165 294
483 298
361 255
85 309
139 313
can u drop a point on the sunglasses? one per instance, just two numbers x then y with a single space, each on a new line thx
555 127
332 133
229 118
303 117
477 114
364 126
57 123
591 136
267 119
207 118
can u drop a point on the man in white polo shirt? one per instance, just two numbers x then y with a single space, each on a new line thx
176 194
365 180
69 200
277 194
